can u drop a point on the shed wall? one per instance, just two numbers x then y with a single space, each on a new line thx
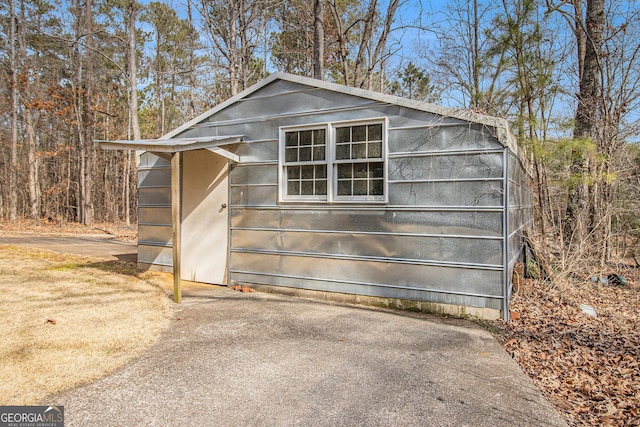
154 213
440 238
520 214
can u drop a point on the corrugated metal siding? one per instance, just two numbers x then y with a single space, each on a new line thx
520 211
154 213
439 239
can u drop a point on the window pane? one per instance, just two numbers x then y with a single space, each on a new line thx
305 154
360 170
375 132
344 188
377 170
344 171
343 134
291 139
319 137
291 155
293 172
377 186
307 172
375 150
318 153
360 188
342 152
359 151
321 172
359 133
293 188
305 137
321 187
307 188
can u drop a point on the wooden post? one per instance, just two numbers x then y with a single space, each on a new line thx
176 218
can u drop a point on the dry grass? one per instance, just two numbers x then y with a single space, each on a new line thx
66 320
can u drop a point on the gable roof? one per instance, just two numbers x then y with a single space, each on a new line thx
501 125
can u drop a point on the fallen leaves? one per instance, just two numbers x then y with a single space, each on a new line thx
243 288
588 367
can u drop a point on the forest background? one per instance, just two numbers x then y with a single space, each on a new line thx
565 73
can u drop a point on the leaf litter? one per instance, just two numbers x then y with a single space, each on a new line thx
587 367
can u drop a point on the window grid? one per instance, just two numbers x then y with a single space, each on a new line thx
359 142
356 174
305 146
342 162
305 162
307 180
360 179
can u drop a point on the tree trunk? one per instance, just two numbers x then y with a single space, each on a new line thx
13 171
192 67
578 224
32 161
318 40
581 35
133 103
88 118
133 70
367 33
475 59
245 56
378 53
342 42
29 126
233 52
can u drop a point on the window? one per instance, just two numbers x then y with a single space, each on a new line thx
305 162
342 162
359 164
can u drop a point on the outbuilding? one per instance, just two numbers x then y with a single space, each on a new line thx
298 183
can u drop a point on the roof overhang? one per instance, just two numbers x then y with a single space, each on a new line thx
164 147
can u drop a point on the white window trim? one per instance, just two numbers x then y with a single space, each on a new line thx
331 162
282 179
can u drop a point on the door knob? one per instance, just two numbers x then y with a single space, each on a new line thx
224 206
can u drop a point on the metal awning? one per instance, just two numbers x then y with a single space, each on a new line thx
164 147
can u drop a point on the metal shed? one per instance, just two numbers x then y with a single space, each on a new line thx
300 183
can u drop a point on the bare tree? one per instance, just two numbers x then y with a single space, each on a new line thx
464 62
235 29
133 69
318 39
88 116
30 113
13 173
133 100
367 37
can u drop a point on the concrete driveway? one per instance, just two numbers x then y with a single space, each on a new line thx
97 245
257 359
235 359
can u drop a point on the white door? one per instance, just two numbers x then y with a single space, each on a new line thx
205 218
